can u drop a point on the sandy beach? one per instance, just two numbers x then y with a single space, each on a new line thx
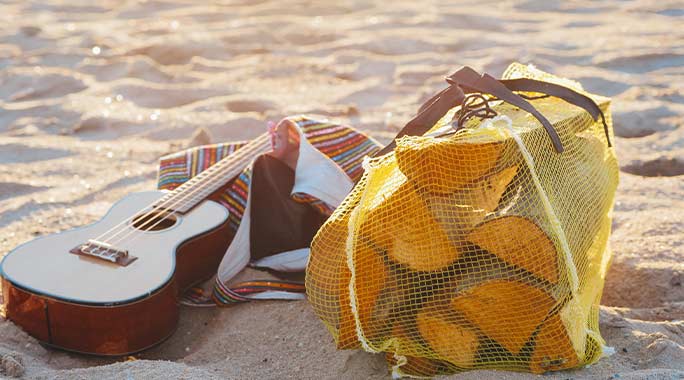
92 93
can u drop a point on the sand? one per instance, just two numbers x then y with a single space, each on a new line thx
91 93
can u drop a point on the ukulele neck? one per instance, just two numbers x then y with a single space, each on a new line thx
191 193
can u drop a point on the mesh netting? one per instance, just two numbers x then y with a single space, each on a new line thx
481 249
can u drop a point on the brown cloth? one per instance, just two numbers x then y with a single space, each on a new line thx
278 223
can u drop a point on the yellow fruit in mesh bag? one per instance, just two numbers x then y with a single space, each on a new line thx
553 349
519 241
414 365
457 213
405 228
505 310
327 280
443 165
581 186
370 279
486 194
346 333
453 343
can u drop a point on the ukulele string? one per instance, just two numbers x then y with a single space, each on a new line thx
198 193
175 201
202 194
192 182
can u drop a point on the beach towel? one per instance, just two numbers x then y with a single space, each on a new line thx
330 161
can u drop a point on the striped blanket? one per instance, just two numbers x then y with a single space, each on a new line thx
341 144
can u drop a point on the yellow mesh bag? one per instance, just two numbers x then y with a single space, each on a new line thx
481 249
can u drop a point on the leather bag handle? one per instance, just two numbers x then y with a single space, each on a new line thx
561 92
467 80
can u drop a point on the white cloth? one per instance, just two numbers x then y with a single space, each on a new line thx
316 174
237 255
290 261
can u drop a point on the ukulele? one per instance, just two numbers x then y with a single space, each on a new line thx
112 287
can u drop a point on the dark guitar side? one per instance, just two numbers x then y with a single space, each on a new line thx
120 329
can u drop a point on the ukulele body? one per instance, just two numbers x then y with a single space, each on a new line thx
84 303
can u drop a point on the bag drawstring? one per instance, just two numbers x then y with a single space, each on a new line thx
474 104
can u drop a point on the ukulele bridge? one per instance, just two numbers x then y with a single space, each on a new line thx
104 251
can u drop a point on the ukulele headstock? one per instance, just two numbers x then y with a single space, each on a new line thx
284 141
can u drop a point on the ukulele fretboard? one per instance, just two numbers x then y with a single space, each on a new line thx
188 195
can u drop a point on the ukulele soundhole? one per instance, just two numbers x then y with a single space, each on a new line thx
154 221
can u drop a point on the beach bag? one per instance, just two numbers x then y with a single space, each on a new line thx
478 239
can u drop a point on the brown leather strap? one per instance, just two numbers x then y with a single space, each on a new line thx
428 115
467 80
471 81
558 91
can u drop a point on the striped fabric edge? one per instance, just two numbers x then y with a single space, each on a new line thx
342 144
319 205
224 295
234 198
242 292
177 168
